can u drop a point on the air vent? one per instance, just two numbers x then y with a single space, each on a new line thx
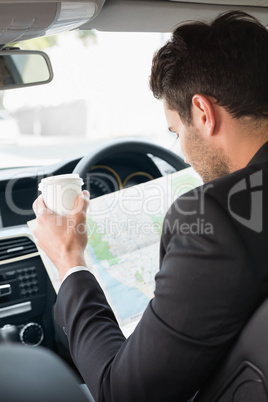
16 247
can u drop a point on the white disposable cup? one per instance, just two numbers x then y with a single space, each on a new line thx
60 192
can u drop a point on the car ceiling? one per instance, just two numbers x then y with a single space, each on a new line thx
21 20
162 16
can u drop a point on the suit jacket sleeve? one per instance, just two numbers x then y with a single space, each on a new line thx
205 292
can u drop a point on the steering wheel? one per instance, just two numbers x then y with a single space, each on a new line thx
122 146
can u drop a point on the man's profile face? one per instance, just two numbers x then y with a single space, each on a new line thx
209 162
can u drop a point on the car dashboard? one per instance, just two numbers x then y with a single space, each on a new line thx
26 293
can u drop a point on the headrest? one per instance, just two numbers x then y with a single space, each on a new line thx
30 374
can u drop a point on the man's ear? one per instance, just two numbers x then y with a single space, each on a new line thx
204 113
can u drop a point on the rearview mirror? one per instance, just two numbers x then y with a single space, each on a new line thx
23 68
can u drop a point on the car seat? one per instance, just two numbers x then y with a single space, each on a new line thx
31 374
243 376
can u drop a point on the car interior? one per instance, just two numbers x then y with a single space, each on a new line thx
29 336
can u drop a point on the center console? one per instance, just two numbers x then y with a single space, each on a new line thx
26 294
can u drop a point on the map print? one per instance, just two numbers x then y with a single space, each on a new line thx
124 235
124 230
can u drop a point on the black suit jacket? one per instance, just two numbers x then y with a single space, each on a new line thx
213 275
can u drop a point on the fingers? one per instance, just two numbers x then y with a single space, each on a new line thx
86 193
39 206
81 203
86 197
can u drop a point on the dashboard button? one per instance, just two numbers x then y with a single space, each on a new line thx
5 290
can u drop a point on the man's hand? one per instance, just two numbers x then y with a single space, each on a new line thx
62 238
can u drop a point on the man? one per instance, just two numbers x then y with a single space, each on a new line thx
213 79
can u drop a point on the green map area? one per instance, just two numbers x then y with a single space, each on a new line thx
101 247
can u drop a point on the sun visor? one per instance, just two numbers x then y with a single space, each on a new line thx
164 15
252 3
21 21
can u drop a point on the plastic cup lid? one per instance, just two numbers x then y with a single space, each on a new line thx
74 177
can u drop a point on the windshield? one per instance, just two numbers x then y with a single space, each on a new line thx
99 92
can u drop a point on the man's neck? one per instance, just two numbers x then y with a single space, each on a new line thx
245 153
242 145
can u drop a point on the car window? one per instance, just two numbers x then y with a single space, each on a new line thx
100 91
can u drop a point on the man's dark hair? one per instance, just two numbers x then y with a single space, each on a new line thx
226 59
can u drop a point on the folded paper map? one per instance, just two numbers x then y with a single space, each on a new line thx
124 230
